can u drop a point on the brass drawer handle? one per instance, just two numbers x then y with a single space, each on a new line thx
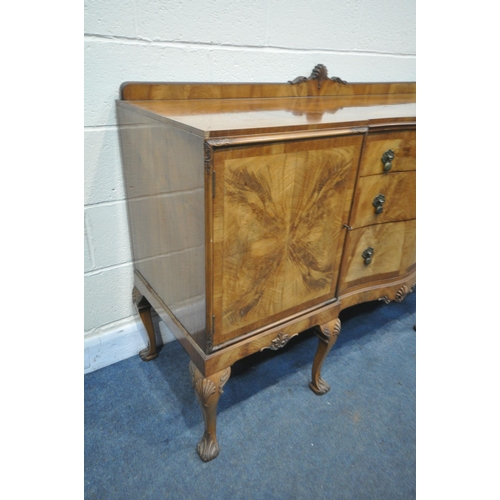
367 255
378 203
387 158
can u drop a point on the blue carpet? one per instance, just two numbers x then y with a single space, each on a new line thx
278 439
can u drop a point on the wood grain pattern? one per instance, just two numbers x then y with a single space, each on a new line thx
399 190
278 229
394 253
221 118
254 343
327 334
402 143
162 203
193 346
377 290
251 206
208 391
180 91
209 364
166 213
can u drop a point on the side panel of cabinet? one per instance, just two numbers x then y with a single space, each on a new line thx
164 179
278 232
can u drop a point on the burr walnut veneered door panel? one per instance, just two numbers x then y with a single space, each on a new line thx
389 152
278 217
378 252
384 198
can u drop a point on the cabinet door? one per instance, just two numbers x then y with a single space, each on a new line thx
278 216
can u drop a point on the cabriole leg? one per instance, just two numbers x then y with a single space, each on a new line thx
144 308
327 335
208 391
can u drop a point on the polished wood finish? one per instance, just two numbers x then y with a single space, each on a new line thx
403 144
230 119
144 309
278 229
384 290
145 91
258 211
327 335
166 213
399 191
208 391
393 253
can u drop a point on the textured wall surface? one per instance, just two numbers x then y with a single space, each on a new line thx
209 40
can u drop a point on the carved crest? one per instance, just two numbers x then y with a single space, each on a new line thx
319 73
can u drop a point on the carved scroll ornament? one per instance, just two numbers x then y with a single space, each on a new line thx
280 341
403 291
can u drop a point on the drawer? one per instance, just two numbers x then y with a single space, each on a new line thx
384 198
393 253
381 147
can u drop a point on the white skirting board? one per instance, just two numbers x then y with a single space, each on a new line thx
120 341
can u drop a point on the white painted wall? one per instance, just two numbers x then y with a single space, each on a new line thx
204 40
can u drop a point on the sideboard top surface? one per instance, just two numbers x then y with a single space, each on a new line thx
213 118
216 112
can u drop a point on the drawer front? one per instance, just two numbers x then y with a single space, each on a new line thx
392 253
389 152
384 198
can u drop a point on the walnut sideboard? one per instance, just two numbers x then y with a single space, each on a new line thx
258 211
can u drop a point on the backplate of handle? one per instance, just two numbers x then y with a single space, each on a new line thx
378 203
387 158
367 255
